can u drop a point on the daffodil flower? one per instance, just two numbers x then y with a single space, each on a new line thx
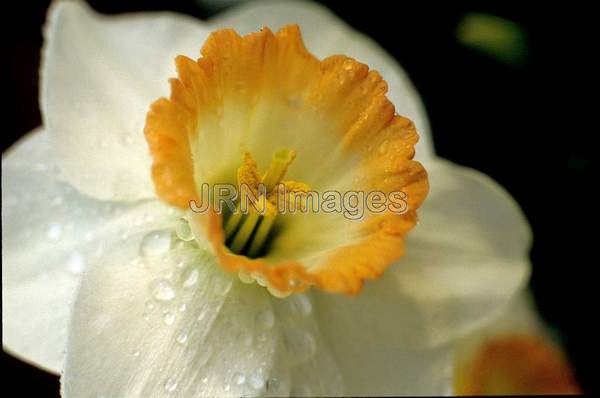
515 354
103 260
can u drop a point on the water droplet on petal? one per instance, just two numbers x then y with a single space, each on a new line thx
183 230
182 337
265 319
76 263
136 353
191 278
169 318
162 290
156 243
259 279
278 293
256 381
238 378
245 277
171 385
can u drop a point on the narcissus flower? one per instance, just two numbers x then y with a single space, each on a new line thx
513 355
104 259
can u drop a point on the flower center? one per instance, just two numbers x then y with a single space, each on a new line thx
248 228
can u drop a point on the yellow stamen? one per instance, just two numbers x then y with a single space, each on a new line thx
251 230
244 233
233 222
261 234
279 165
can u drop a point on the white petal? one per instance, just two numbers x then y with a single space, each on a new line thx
178 325
324 35
50 233
464 261
99 76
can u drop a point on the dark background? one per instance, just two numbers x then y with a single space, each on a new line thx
529 126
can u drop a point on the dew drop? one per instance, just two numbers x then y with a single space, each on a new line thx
265 319
183 230
76 263
156 243
245 277
191 278
54 231
169 318
278 293
202 315
136 353
259 279
238 378
182 337
256 381
182 307
171 385
162 290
